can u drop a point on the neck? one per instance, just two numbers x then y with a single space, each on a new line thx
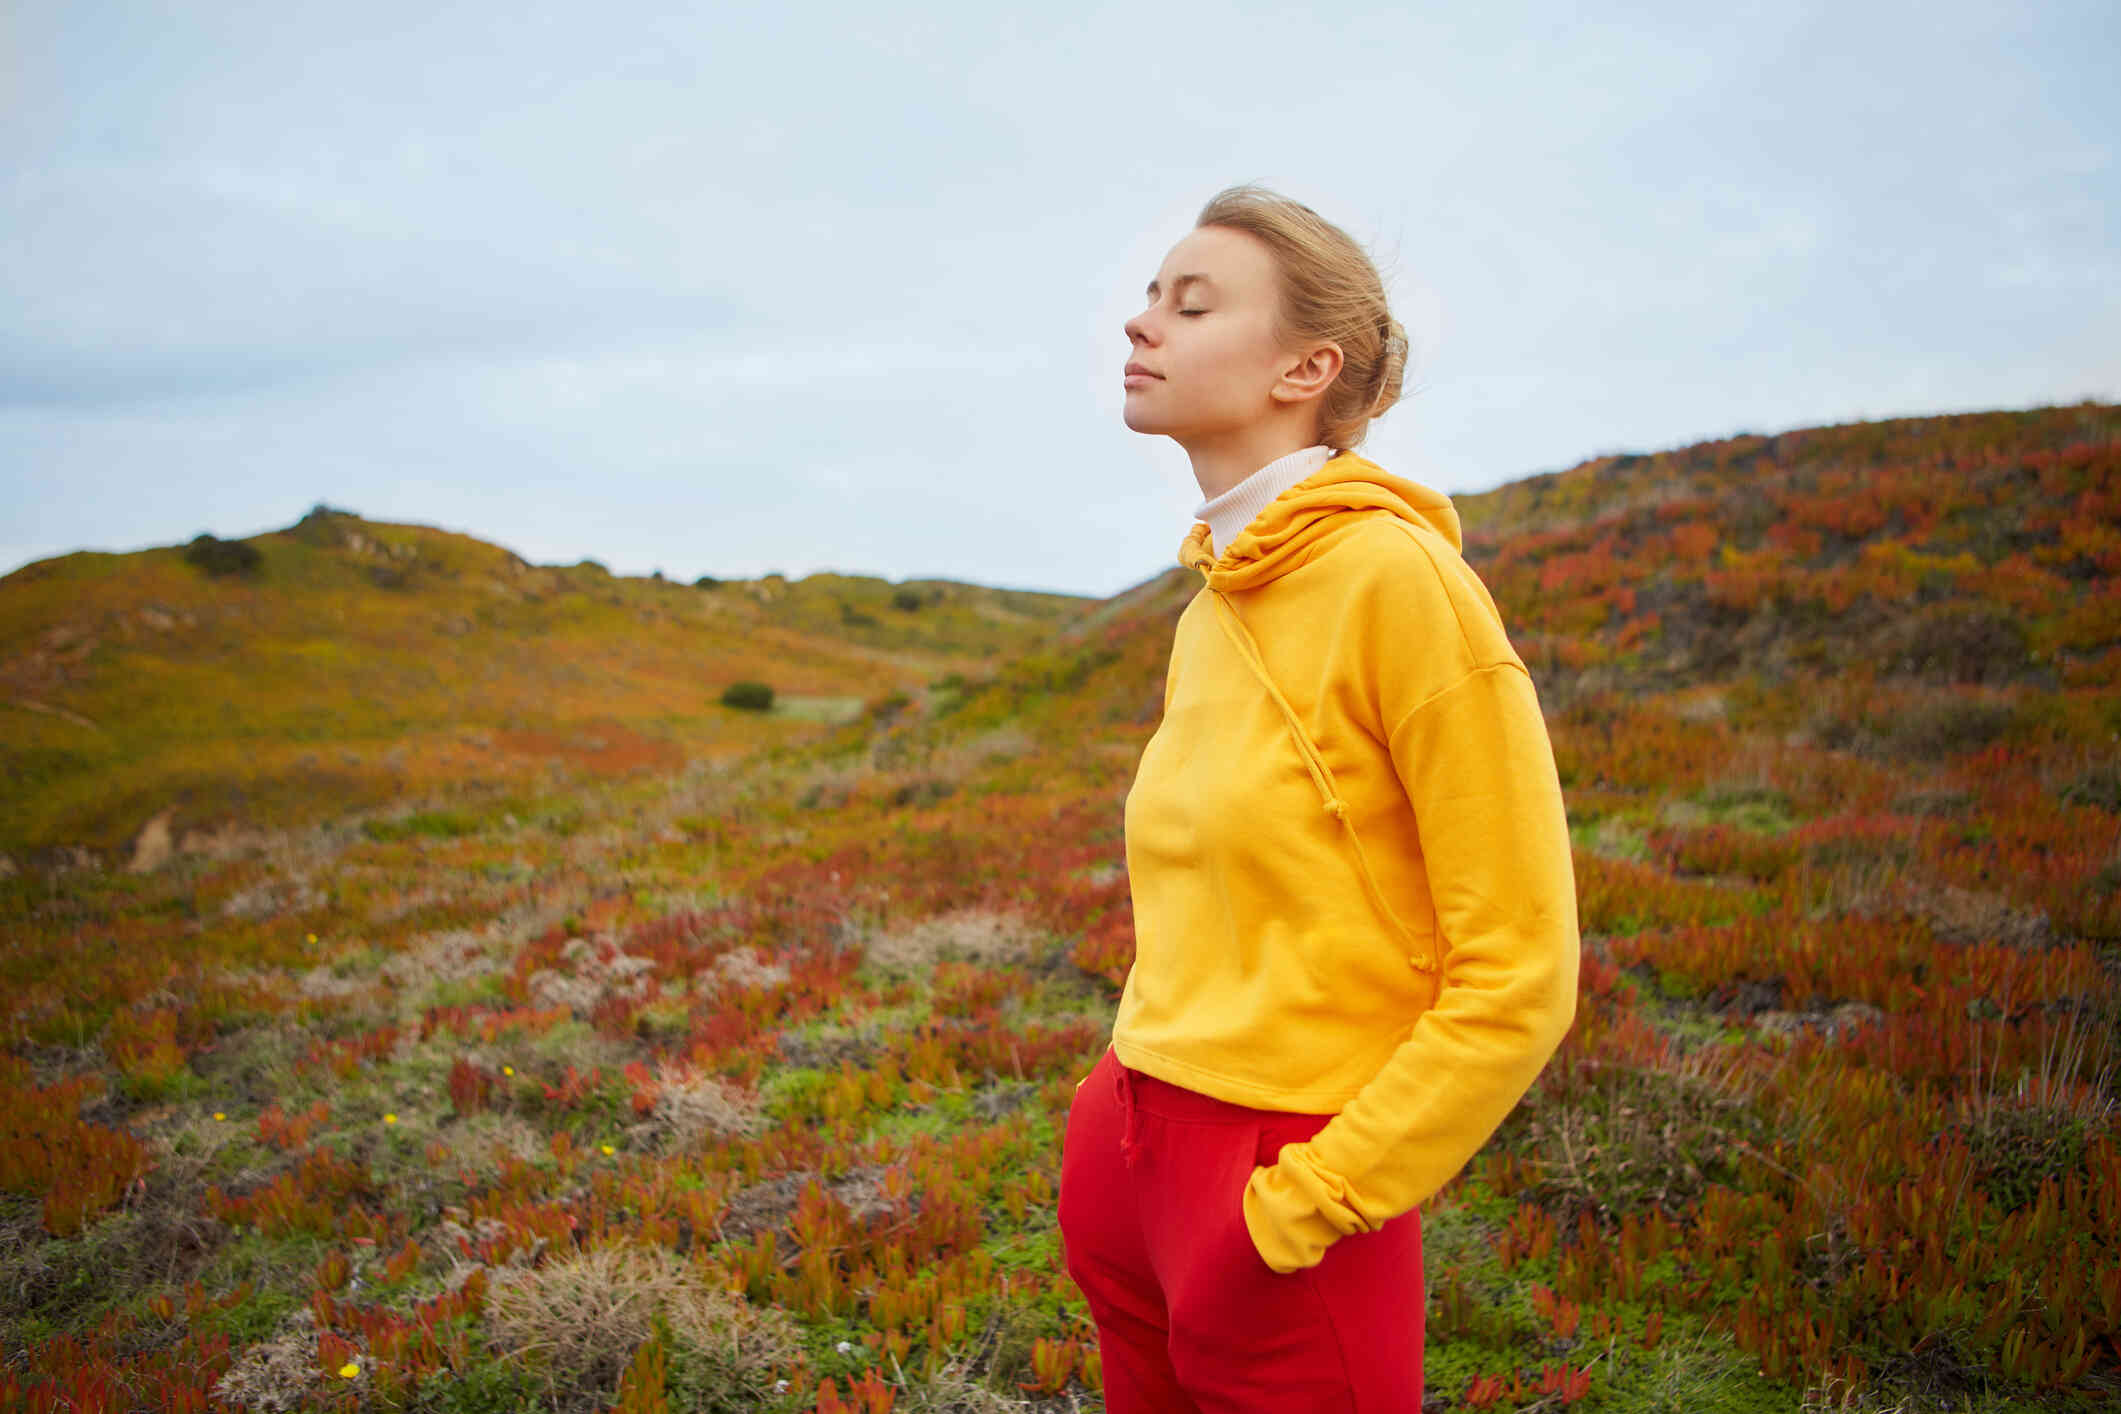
1221 462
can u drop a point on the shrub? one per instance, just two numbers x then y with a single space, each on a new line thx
1962 643
907 599
748 696
706 581
322 525
924 791
2100 786
223 557
1946 726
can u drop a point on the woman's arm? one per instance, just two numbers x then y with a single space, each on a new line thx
1478 769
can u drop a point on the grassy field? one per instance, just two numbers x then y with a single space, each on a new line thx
344 664
735 1079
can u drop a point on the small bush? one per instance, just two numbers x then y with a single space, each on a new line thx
1945 726
2100 787
707 581
924 791
1641 1137
748 696
1961 643
223 557
323 525
907 599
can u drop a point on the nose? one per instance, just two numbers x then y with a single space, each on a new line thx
1137 328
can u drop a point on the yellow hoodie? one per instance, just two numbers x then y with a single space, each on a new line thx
1349 860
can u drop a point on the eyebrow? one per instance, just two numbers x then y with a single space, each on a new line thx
1179 284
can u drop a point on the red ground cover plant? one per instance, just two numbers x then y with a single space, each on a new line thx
1835 714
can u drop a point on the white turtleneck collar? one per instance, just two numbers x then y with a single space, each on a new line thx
1229 513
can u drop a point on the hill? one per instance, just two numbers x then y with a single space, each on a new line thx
741 1084
342 663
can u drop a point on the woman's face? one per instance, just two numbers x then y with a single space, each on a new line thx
1206 339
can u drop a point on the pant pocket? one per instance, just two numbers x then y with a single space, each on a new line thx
1281 1129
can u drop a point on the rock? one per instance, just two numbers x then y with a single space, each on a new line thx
154 845
1850 1016
1778 1023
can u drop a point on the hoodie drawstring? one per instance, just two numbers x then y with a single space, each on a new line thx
1321 775
1123 1080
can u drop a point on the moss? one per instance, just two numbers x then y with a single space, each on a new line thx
794 1092
252 1319
485 1387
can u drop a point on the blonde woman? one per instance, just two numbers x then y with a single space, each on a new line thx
1355 916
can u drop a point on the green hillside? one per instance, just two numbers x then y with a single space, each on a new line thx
343 663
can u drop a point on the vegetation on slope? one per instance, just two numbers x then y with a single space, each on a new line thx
740 1084
352 664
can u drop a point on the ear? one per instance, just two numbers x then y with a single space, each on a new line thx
1309 376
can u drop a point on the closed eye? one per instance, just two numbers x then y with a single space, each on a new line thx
1193 311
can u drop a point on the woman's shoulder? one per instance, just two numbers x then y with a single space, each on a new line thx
1403 575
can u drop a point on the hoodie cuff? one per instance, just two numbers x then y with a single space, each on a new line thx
1294 1211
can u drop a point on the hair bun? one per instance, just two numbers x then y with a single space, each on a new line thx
1330 290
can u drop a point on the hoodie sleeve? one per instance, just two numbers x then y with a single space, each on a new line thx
1478 769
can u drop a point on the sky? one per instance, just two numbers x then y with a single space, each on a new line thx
737 289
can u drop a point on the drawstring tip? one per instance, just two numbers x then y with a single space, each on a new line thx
1336 807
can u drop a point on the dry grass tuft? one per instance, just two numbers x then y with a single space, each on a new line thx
1834 1396
954 1389
275 1374
454 955
741 967
579 1319
1959 915
692 1105
592 979
968 935
960 760
488 1139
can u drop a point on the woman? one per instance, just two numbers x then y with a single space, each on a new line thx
1355 916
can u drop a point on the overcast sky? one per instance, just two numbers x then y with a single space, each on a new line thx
732 289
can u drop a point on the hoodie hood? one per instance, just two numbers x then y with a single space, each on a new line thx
1294 525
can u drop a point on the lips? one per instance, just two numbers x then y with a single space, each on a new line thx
1134 368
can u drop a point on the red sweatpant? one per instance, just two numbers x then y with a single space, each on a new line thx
1190 1319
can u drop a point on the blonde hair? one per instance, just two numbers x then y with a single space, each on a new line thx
1330 290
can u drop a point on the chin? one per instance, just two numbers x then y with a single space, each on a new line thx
1141 420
